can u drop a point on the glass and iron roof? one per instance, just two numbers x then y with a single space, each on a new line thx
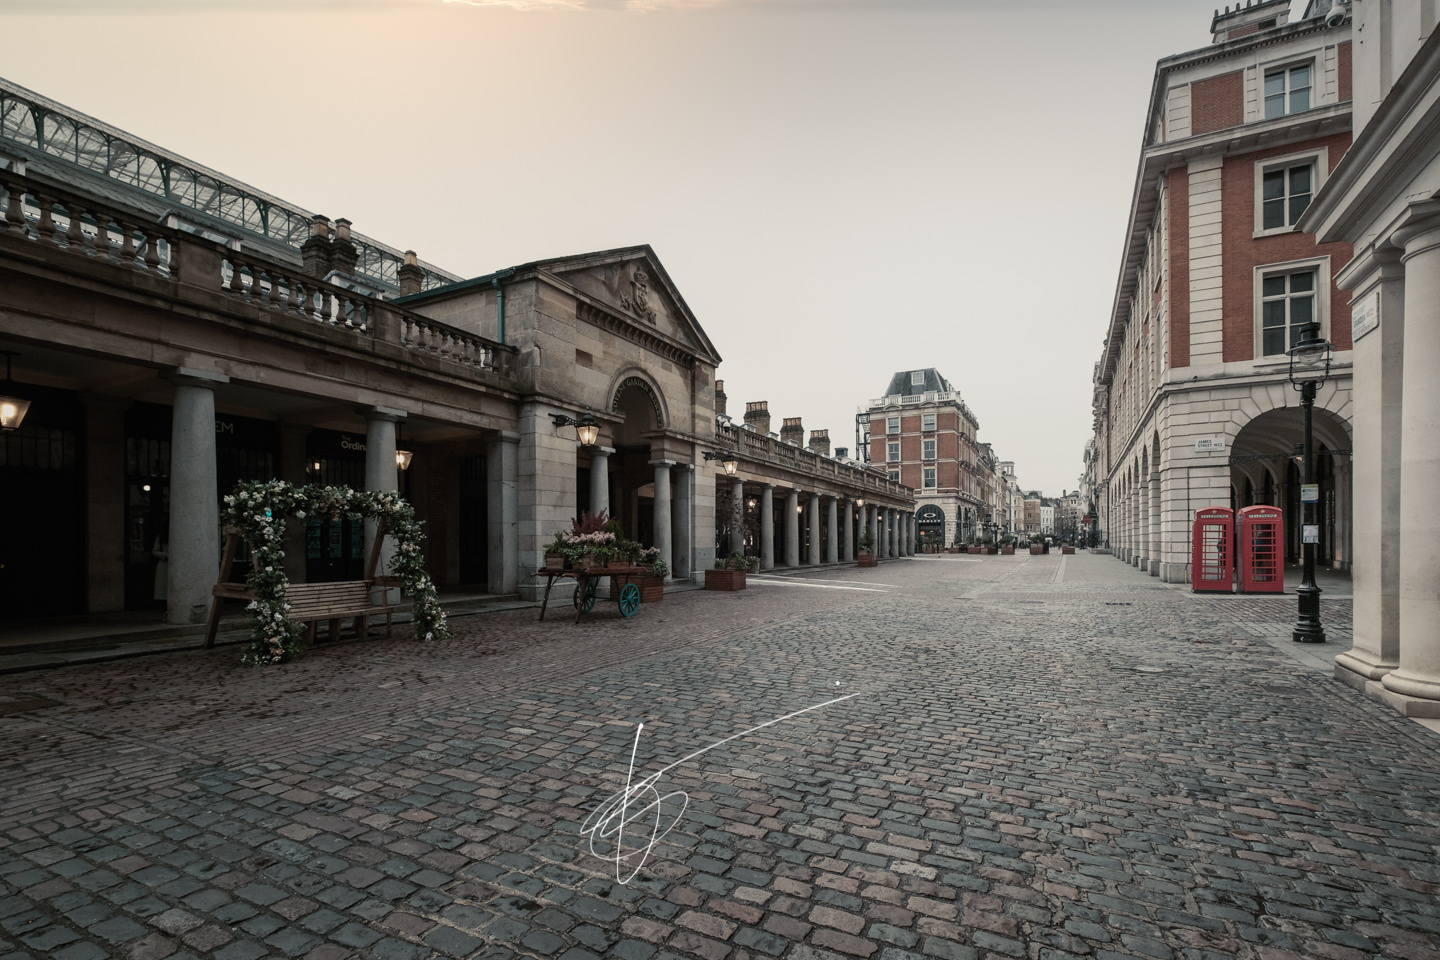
37 128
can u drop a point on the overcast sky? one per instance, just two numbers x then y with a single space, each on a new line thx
839 188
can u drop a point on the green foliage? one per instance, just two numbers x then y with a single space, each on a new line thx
259 510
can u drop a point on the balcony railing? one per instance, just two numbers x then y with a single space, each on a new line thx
101 233
768 449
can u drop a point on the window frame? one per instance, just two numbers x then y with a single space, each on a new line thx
917 378
892 425
927 449
928 478
895 475
1320 266
892 451
1319 160
1284 69
927 422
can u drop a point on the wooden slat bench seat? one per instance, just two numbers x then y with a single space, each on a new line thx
333 602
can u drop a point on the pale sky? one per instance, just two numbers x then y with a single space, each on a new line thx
840 189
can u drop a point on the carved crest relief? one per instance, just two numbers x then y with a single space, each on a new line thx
629 284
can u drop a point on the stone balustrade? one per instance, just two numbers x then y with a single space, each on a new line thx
41 214
766 449
87 227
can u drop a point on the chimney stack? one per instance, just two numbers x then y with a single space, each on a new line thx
791 431
343 255
757 415
720 398
315 252
412 278
820 442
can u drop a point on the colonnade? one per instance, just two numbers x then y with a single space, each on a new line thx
831 522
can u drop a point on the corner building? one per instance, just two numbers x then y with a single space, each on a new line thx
1193 403
922 434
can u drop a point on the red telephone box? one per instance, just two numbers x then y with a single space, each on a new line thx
1262 550
1211 565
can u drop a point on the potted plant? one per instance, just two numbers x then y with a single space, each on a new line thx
1007 546
866 555
729 573
652 585
555 553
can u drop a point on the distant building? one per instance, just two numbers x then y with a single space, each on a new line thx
922 435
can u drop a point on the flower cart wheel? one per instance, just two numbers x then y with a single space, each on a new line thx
585 596
629 600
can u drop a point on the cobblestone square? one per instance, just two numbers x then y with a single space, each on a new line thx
1043 757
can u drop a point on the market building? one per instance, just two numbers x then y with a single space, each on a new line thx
1193 403
173 331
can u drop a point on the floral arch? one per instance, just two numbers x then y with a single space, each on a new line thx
258 510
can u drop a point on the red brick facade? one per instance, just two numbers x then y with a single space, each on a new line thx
1217 103
1342 57
1177 198
1242 250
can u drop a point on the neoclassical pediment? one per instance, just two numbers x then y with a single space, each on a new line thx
631 286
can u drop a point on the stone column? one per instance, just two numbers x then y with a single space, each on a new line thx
767 527
663 536
737 516
1375 473
792 528
871 519
832 535
381 475
847 534
909 533
502 504
684 566
194 540
1418 675
294 468
1155 520
600 479
815 529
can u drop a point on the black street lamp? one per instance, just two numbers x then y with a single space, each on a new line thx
1309 368
728 460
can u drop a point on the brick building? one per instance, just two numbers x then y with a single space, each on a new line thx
923 435
1192 400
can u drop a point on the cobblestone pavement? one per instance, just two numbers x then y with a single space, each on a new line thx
1045 758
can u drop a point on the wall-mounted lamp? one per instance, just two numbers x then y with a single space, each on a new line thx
750 503
585 428
728 460
12 407
859 501
402 457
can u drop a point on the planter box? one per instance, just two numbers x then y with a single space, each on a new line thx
652 589
1066 550
976 549
992 551
1036 549
554 561
1007 551
865 560
724 579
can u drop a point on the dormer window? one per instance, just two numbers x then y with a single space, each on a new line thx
917 378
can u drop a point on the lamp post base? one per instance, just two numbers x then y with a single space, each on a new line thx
1307 628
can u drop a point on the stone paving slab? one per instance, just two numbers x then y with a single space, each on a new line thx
1099 773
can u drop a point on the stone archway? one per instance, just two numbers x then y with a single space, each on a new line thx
632 477
1265 468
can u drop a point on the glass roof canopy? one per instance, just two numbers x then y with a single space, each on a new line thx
41 126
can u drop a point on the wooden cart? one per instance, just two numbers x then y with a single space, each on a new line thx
623 590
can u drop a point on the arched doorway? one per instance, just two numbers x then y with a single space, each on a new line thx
632 477
930 523
1266 468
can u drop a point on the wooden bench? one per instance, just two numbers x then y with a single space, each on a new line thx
311 603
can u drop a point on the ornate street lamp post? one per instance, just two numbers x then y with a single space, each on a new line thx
1309 368
587 430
